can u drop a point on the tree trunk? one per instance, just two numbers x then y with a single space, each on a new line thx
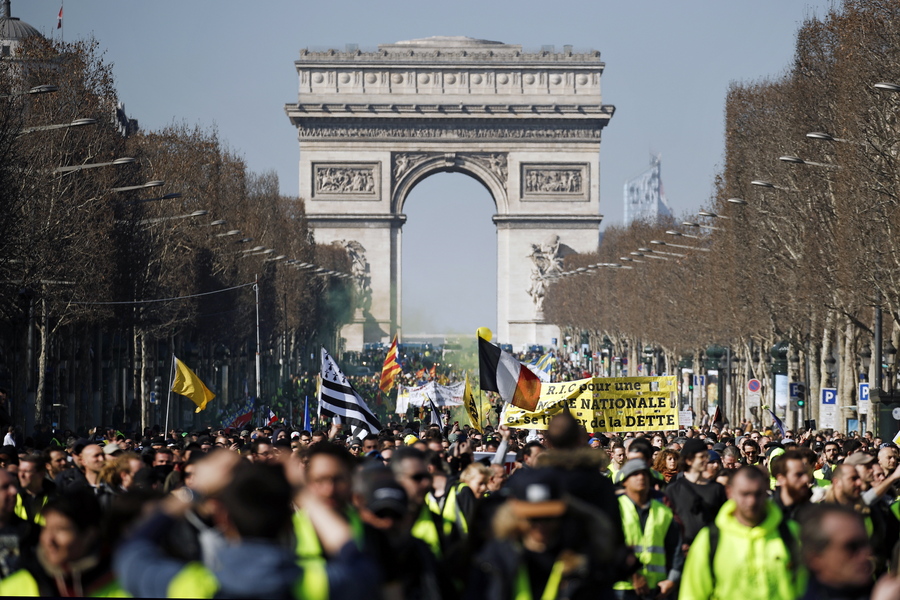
42 365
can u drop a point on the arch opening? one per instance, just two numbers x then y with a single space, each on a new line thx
449 255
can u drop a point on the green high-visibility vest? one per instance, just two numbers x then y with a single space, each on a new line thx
22 583
649 544
23 514
425 529
308 545
196 581
551 590
450 510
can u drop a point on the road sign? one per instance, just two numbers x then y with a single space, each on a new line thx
153 399
863 398
754 386
896 413
828 408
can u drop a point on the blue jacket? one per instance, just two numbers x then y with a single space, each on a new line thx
251 568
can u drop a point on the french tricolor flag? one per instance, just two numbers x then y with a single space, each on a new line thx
502 373
272 418
59 18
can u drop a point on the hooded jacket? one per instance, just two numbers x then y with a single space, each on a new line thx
750 563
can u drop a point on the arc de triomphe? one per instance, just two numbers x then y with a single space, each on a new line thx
527 126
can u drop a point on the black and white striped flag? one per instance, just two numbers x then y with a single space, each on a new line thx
337 398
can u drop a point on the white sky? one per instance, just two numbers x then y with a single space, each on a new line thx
230 64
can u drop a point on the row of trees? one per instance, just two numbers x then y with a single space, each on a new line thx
87 240
801 249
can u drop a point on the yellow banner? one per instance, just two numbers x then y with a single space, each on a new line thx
471 406
604 404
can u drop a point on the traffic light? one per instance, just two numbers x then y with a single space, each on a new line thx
801 396
157 384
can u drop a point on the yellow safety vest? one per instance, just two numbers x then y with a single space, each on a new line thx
22 583
23 514
551 590
425 530
308 545
649 545
450 510
196 581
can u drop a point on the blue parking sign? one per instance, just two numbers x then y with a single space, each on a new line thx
864 392
829 396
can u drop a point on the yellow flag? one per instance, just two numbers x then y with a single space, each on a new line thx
471 405
188 384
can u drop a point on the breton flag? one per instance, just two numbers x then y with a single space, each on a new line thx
502 373
59 18
188 384
337 398
436 417
391 368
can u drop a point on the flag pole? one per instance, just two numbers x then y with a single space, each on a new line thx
258 384
169 396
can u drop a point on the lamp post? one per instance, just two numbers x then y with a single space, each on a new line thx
125 160
662 243
779 367
75 123
701 225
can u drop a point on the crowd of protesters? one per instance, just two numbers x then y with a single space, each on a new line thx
421 511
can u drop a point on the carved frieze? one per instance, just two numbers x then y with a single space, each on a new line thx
490 133
346 181
493 162
564 181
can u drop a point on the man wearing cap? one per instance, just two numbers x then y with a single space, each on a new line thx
546 545
652 533
749 552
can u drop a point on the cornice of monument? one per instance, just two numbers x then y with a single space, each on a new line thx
450 49
313 109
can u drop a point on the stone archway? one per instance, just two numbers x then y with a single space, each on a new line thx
525 125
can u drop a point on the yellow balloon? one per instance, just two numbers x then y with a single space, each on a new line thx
484 333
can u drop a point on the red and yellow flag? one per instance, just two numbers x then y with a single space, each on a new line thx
391 368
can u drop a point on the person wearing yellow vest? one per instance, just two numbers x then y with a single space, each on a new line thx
652 533
616 458
546 546
749 552
253 510
408 465
328 474
831 454
35 489
72 557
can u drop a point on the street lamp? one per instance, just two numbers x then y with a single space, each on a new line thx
651 251
229 233
125 160
641 254
75 123
38 89
151 221
141 186
796 160
701 226
887 87
168 196
627 259
738 201
679 234
662 243
711 215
